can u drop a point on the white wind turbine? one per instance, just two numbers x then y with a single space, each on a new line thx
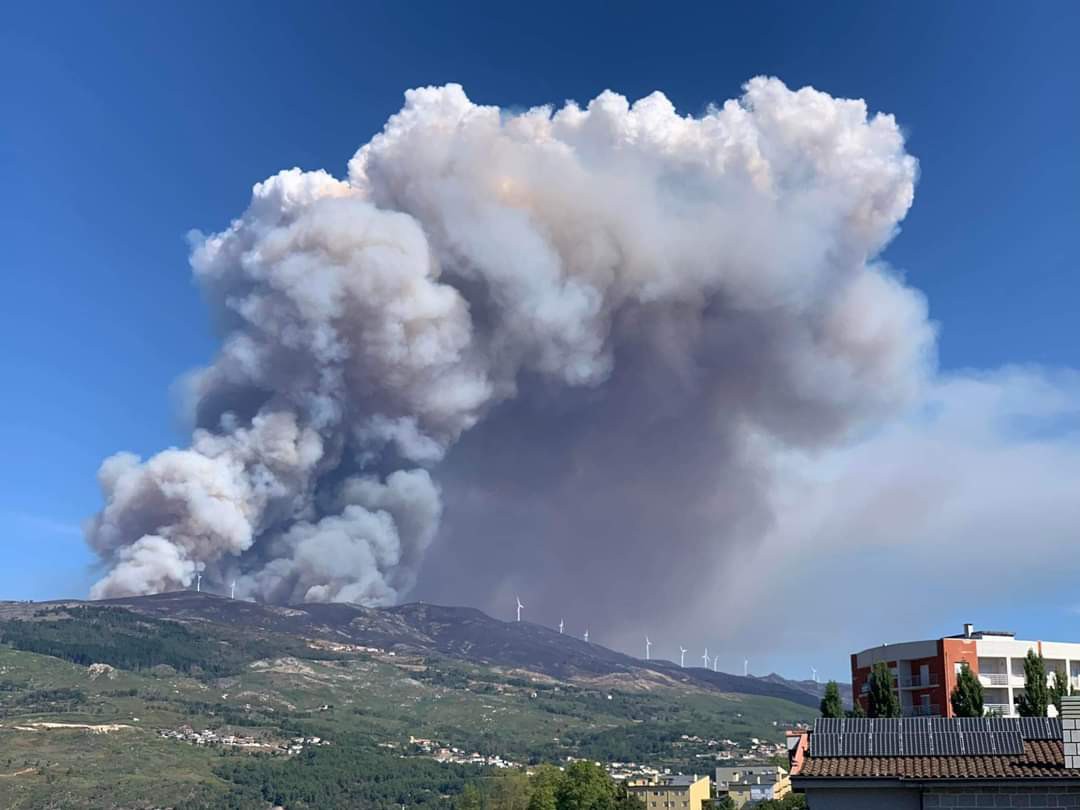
233 592
648 646
560 626
198 583
705 658
519 607
682 656
813 672
586 635
746 667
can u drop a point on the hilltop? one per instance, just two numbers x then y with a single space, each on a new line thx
463 633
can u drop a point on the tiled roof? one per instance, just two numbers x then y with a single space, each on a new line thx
1042 759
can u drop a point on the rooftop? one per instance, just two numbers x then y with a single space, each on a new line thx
677 781
1011 748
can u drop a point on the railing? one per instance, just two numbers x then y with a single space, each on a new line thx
998 709
918 682
994 678
923 711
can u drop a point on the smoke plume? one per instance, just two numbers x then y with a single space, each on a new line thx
592 333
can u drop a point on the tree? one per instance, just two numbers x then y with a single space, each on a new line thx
793 801
883 701
724 802
625 800
585 786
831 705
1036 698
544 784
511 791
1059 690
469 798
967 695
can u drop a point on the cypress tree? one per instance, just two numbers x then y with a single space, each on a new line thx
1036 698
831 705
967 695
1059 690
883 701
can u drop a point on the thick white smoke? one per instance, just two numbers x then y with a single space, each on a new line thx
587 294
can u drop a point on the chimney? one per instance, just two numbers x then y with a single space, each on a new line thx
1070 730
968 630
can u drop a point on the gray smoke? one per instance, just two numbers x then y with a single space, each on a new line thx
597 329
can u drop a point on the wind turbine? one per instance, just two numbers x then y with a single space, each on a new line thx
586 635
519 607
560 626
198 583
232 594
813 671
682 656
705 658
716 664
746 667
648 646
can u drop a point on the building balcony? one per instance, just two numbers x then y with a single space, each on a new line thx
922 711
994 679
1000 709
918 682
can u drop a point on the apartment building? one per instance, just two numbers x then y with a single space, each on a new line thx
751 784
924 672
672 791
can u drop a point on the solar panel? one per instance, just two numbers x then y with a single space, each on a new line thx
1040 728
928 736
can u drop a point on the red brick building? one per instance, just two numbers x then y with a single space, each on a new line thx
924 672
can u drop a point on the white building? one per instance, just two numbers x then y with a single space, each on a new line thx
924 672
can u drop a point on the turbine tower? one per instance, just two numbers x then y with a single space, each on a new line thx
519 607
682 656
716 664
560 626
198 583
586 635
705 658
232 594
813 672
648 646
746 667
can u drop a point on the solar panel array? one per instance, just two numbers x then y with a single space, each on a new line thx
928 736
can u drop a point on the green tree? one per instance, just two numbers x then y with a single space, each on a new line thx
543 787
831 705
724 802
510 792
585 786
625 800
1059 690
883 701
967 695
469 799
1036 698
793 801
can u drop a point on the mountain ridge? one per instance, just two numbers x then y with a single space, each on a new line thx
460 632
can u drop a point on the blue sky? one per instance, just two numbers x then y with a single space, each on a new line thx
127 124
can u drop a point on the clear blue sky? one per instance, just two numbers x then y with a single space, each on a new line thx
126 124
